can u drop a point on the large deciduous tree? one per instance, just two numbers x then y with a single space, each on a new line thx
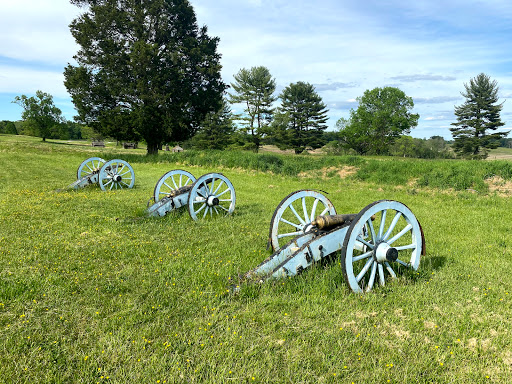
383 115
145 70
39 113
300 121
478 118
254 88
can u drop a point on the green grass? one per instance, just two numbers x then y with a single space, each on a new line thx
91 291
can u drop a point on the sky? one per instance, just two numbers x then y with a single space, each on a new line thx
429 49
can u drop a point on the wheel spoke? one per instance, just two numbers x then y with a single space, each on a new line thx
364 270
290 223
381 275
324 211
369 245
372 276
200 191
200 209
296 214
226 200
289 234
206 211
304 209
392 226
313 210
220 194
212 184
220 206
174 182
362 257
400 234
390 270
404 247
403 263
168 186
372 230
218 187
382 222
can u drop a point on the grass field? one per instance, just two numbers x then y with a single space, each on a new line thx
91 291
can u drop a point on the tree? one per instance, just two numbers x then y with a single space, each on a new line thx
300 121
477 118
145 70
353 136
39 113
8 127
254 88
383 115
216 130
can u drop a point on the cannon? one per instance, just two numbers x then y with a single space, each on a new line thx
381 241
110 175
209 195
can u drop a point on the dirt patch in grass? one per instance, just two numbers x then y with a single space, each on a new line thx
330 172
499 185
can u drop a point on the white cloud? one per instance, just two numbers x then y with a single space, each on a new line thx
19 81
427 49
37 31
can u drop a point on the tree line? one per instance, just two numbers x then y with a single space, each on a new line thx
145 71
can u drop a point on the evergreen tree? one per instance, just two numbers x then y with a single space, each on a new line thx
478 118
254 88
216 130
301 119
145 70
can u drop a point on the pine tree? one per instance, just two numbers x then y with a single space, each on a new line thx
478 119
254 88
300 121
216 130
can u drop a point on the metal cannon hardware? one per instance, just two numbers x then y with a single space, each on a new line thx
381 241
111 175
210 195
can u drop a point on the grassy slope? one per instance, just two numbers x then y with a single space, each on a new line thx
90 292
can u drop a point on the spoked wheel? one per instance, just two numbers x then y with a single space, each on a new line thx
89 166
172 181
116 174
384 239
294 215
211 195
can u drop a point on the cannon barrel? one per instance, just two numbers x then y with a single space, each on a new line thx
331 221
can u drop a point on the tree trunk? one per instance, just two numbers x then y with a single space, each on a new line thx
152 149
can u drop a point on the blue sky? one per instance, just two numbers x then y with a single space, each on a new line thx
429 49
